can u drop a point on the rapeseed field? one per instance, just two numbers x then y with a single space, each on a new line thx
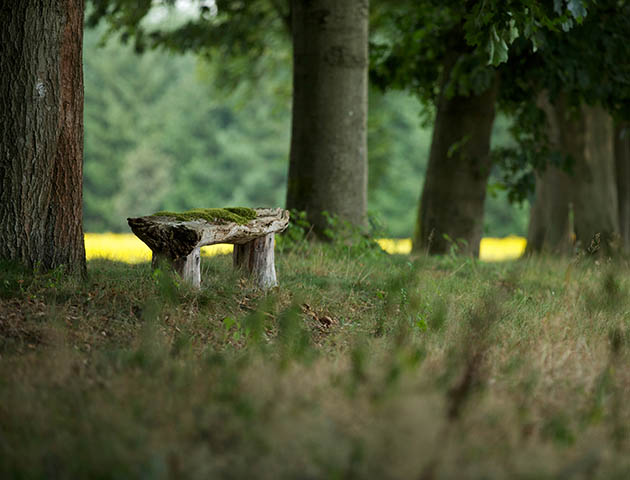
126 247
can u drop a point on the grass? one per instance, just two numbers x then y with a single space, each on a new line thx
360 365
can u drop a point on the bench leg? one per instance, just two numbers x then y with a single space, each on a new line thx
189 268
257 259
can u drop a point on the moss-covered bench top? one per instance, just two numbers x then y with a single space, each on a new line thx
240 215
178 236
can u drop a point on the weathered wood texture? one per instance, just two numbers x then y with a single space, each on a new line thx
188 267
178 242
257 259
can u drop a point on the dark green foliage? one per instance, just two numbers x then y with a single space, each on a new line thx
14 278
411 44
586 64
412 40
570 47
583 65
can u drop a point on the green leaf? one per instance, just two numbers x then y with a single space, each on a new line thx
421 324
567 25
577 9
490 50
457 146
497 49
228 322
513 33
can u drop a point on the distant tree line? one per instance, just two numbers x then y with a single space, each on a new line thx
163 123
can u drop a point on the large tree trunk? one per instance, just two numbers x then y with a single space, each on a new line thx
41 149
581 206
454 193
550 220
589 140
328 162
551 216
622 164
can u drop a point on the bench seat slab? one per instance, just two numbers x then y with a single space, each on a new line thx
179 242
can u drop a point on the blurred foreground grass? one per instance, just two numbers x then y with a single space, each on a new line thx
126 247
359 365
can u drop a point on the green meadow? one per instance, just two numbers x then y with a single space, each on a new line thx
359 365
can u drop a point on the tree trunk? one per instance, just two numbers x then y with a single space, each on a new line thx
589 140
41 140
622 164
550 222
551 216
328 161
452 201
590 188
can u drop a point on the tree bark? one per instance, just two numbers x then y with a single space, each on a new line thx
589 140
580 206
550 225
454 193
551 217
41 140
328 160
622 165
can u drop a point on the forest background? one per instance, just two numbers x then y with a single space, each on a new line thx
172 125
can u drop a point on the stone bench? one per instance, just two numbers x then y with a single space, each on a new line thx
177 238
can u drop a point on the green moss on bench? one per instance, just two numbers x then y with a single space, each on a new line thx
240 215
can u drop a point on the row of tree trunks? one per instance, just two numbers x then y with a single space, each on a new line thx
328 159
41 138
454 193
573 209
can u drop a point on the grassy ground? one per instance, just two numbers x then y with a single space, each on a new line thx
360 365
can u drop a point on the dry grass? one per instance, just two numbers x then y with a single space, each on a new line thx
361 365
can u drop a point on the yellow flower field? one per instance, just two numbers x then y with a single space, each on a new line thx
491 249
499 249
126 247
